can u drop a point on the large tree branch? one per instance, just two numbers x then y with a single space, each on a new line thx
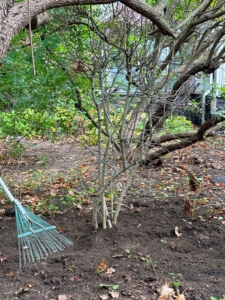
194 138
151 13
17 17
201 8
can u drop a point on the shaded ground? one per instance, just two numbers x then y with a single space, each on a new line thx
142 250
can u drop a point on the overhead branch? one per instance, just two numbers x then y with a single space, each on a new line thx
201 8
17 16
152 14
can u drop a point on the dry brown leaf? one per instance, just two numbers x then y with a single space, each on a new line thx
114 294
110 272
74 278
78 206
166 292
10 274
164 297
4 258
102 266
62 297
180 297
104 297
178 234
86 202
131 206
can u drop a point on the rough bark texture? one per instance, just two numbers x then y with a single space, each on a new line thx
17 17
185 142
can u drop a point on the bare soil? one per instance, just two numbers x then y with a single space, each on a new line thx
142 253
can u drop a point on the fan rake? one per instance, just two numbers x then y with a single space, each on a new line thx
37 238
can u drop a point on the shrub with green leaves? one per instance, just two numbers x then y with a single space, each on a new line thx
177 124
31 122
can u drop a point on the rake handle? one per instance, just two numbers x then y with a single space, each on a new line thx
11 198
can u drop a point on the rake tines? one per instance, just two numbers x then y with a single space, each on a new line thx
37 238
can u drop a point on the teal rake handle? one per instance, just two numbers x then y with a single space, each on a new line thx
22 210
8 193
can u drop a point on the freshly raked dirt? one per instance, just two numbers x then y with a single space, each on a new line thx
138 257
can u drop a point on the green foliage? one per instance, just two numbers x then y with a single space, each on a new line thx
46 205
177 124
214 298
68 199
35 123
176 283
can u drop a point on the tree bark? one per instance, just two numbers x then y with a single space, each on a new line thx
17 17
185 142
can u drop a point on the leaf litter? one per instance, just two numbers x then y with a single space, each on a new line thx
157 194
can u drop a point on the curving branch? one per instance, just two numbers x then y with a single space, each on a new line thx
17 16
185 142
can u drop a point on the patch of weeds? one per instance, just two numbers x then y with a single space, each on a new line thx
68 199
148 261
133 190
131 253
175 275
44 206
16 149
38 175
176 283
52 207
163 184
190 223
214 298
44 159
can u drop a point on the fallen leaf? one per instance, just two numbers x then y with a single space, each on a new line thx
104 297
163 297
21 290
86 202
3 259
178 234
166 292
110 272
62 297
202 202
102 266
180 297
10 274
114 294
74 278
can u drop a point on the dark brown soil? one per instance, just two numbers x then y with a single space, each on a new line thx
143 249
